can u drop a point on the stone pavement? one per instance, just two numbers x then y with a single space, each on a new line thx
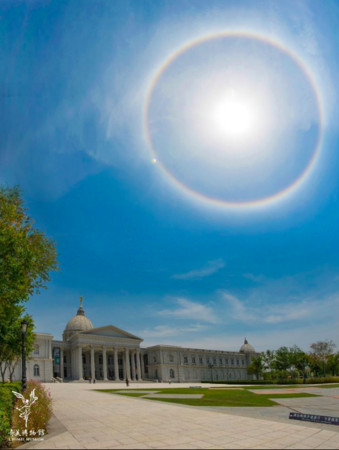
88 419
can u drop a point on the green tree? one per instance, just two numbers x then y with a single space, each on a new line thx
26 258
333 364
26 254
299 360
321 351
256 367
11 338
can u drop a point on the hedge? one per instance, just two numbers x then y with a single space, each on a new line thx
7 400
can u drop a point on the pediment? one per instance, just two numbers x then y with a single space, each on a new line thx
111 331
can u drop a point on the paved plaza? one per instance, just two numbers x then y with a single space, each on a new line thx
84 418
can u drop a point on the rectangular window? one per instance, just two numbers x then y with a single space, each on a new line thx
65 360
226 360
220 361
200 360
232 361
185 360
207 360
214 360
193 359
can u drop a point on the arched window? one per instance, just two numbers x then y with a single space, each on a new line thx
36 370
36 349
172 374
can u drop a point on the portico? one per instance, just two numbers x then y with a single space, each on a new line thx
105 353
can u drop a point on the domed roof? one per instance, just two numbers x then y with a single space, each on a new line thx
246 347
79 322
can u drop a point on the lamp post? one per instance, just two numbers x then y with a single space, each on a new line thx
23 359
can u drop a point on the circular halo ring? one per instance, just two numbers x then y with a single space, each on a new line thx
211 200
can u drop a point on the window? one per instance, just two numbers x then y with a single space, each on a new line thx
207 360
171 358
83 359
65 360
242 362
154 359
237 362
36 370
185 360
36 349
226 360
110 360
220 361
200 360
193 359
232 361
100 359
214 360
172 374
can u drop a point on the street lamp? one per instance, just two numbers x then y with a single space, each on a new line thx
23 359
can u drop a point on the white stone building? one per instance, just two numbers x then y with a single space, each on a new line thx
109 353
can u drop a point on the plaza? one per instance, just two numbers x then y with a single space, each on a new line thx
85 418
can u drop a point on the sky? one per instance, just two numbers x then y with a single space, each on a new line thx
183 155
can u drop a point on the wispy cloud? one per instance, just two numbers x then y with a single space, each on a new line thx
281 312
211 268
161 331
191 311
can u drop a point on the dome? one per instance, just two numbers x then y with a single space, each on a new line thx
246 347
78 323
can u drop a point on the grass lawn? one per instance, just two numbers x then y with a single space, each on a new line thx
213 397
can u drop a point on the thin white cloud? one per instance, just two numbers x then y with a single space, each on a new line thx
191 311
211 268
281 312
161 331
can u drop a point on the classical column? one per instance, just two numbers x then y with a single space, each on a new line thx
128 367
80 369
138 364
124 375
133 364
116 365
104 361
61 363
142 366
92 364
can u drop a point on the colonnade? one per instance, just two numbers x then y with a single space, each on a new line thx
132 362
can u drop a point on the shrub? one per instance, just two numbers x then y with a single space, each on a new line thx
6 407
40 411
319 380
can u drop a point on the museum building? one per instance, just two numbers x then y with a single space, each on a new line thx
110 354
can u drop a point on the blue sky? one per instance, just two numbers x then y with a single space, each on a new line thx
139 183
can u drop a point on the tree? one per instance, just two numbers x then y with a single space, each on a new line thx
321 351
11 338
26 254
256 367
299 360
26 258
333 364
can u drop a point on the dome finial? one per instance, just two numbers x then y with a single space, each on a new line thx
81 311
245 341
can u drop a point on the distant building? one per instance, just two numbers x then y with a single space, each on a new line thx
109 353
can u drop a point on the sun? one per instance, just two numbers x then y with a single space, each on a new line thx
233 117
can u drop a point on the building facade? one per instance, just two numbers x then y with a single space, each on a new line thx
111 354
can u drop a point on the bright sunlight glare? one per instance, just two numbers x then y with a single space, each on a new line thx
233 117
